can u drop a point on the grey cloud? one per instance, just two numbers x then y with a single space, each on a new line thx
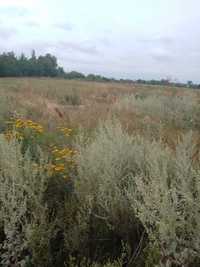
159 48
64 26
105 41
7 32
81 47
80 60
74 49
163 40
40 47
32 24
14 11
161 55
161 58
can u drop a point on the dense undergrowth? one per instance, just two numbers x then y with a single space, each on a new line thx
108 199
102 197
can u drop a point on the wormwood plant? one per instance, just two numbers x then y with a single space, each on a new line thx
120 196
166 200
33 188
22 185
175 111
123 177
104 164
5 111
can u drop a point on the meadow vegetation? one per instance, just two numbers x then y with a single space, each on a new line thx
98 174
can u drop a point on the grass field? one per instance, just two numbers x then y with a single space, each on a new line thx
98 174
76 103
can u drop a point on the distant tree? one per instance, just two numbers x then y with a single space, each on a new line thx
60 72
23 65
74 75
165 81
8 65
141 81
90 77
33 68
98 78
47 65
189 83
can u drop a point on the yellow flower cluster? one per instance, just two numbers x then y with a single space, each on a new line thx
9 135
63 153
29 124
63 159
14 132
66 131
58 167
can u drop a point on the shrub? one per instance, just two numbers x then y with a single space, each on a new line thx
40 189
120 197
5 111
23 184
122 178
71 98
174 111
104 165
165 198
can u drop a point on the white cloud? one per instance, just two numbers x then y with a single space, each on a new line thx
7 32
135 38
65 26
18 3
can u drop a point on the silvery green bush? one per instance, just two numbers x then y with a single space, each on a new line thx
133 199
128 176
22 187
166 200
176 111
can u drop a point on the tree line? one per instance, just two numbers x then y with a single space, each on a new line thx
41 66
47 66
13 66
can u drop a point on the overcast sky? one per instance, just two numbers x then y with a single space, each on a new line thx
129 39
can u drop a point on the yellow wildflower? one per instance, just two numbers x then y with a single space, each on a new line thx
66 131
